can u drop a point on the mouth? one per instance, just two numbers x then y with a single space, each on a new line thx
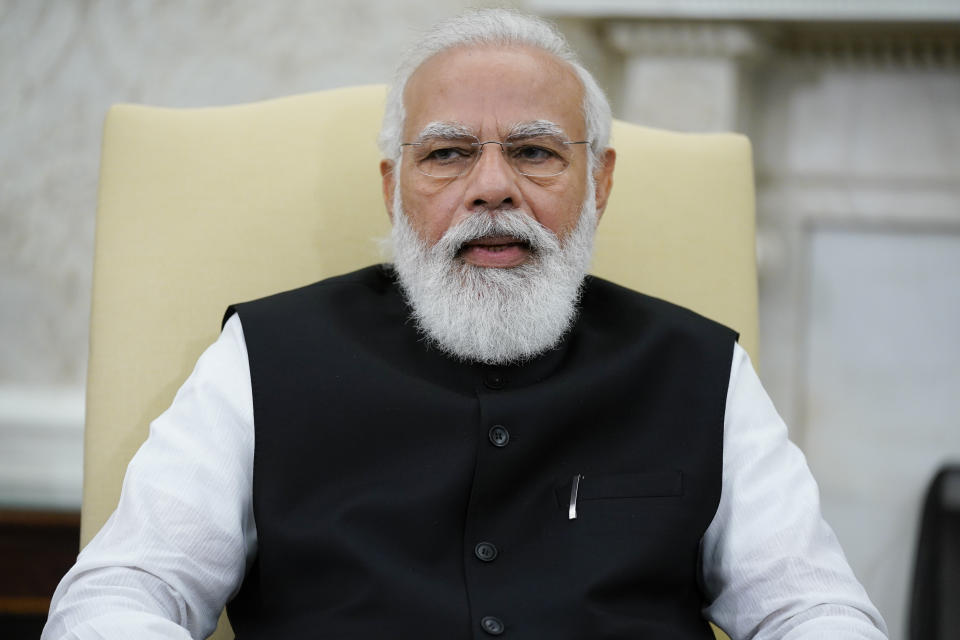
495 251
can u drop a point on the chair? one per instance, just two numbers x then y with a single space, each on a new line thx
199 208
936 566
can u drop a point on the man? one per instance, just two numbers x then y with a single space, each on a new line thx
538 454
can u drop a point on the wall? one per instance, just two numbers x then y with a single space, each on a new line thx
62 64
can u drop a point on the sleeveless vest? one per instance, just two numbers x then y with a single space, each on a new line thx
399 493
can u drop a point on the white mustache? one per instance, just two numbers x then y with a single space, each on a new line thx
512 222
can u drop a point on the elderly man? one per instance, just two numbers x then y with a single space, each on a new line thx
537 454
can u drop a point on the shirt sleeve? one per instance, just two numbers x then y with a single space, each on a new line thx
179 543
772 567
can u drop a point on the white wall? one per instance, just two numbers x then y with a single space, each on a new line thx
62 64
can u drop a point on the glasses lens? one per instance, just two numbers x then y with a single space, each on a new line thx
539 157
445 158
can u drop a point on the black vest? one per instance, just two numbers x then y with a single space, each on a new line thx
399 493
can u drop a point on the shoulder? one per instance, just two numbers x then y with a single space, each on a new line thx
375 280
624 310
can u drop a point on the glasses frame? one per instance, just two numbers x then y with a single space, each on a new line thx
503 148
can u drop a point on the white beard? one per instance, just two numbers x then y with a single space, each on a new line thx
494 315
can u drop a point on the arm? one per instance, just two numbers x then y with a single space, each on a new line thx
179 543
772 567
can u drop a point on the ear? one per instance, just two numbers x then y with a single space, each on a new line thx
603 179
388 178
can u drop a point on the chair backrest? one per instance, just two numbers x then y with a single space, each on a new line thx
200 208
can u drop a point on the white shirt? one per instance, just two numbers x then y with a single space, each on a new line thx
183 535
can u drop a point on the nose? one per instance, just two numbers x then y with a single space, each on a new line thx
492 183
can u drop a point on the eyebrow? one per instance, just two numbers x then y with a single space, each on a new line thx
536 129
444 131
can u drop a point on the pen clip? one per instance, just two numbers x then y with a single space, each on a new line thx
574 489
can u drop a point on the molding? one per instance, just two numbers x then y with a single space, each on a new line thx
41 458
930 48
910 200
871 11
867 45
700 39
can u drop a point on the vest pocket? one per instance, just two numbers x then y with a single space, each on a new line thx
622 502
611 486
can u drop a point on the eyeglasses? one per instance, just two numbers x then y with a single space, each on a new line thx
537 157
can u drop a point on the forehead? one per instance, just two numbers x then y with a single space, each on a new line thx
490 89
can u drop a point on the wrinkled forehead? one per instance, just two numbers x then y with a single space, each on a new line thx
491 91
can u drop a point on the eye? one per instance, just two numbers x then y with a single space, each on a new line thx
530 153
448 154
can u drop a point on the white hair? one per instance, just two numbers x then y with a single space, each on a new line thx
495 27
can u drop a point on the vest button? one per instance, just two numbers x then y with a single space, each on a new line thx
494 380
486 551
492 625
499 435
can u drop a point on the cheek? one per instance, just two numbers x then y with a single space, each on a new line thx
559 214
430 213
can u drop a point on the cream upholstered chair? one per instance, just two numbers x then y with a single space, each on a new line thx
199 208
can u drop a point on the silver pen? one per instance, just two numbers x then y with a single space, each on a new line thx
574 489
